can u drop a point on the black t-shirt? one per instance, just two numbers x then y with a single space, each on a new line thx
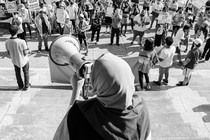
194 56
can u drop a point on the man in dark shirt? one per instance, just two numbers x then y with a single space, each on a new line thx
191 62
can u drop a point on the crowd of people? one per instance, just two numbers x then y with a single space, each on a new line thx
176 17
116 112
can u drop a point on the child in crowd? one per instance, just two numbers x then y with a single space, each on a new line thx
191 62
165 61
147 59
82 28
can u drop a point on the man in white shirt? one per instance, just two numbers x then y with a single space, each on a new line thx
18 52
140 22
181 38
72 11
165 61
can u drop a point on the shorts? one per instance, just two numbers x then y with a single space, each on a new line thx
187 72
145 8
125 20
108 20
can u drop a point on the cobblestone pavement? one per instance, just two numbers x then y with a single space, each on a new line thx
177 113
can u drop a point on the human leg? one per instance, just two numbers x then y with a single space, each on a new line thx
93 34
161 72
18 77
146 75
40 42
112 35
26 74
135 34
117 36
98 34
29 28
45 38
141 79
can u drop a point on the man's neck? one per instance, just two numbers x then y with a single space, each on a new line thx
13 37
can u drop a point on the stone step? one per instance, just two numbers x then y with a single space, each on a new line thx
179 131
34 132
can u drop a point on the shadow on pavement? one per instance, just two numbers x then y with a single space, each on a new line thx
203 108
59 87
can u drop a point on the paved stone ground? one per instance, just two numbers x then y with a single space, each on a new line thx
177 113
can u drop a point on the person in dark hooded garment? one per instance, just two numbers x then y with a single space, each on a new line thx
115 113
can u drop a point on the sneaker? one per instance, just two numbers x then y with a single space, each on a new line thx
157 83
39 51
110 44
148 86
165 81
185 50
118 44
124 35
20 88
96 43
132 43
27 88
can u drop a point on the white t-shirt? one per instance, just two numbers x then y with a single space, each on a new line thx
15 48
109 11
61 15
72 10
181 3
139 19
164 18
156 6
167 55
179 36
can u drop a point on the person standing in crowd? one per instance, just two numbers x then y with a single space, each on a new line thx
140 22
116 19
189 12
177 22
18 21
206 51
125 7
166 55
147 59
116 112
72 11
90 8
61 12
43 29
156 8
108 16
191 61
51 17
146 6
134 11
163 21
82 28
173 7
25 14
18 52
96 25
181 4
181 38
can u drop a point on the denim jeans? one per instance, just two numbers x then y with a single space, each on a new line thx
40 38
141 78
94 30
163 71
26 75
